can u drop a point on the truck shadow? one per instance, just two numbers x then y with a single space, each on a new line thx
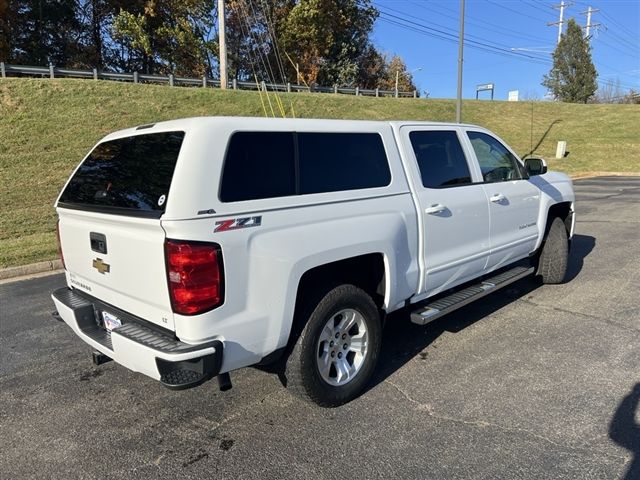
403 340
581 247
625 430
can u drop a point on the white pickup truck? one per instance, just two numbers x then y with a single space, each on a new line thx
199 246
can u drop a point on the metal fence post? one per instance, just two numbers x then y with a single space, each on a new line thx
4 74
204 81
357 91
377 91
415 94
264 86
95 74
171 79
234 84
135 77
288 87
51 71
335 89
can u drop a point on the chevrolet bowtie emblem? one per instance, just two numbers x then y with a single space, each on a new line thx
102 267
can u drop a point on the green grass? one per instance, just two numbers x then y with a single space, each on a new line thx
47 126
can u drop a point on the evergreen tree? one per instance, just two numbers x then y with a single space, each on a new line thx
573 76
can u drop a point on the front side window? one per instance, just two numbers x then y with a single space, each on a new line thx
440 158
497 163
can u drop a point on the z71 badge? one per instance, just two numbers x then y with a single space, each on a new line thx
238 223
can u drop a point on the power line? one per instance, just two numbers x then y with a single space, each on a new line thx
470 44
483 24
537 7
618 48
500 5
633 35
624 43
443 35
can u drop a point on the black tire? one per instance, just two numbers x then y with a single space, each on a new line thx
554 254
302 370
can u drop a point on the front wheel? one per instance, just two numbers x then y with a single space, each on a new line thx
336 353
552 264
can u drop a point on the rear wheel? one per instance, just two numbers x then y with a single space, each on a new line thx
336 353
552 264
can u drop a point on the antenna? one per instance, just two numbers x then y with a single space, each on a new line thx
531 127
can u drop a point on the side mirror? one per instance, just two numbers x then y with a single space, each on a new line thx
535 166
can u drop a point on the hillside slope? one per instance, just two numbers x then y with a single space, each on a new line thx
47 126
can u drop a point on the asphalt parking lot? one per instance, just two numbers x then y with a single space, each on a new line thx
533 382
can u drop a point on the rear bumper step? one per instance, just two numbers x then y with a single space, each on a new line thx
176 364
437 308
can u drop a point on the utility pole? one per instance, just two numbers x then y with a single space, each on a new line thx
460 51
589 24
223 46
562 6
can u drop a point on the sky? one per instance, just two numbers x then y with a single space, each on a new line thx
507 43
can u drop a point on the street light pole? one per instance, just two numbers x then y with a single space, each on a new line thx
460 51
397 75
406 73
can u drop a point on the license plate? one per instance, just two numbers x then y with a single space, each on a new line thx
110 321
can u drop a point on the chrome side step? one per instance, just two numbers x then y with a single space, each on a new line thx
437 308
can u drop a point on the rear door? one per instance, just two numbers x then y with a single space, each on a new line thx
454 215
513 200
109 222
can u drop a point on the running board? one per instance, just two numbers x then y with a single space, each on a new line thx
437 308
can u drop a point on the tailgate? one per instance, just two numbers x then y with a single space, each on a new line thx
119 260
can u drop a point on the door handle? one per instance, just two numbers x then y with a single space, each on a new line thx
497 198
435 208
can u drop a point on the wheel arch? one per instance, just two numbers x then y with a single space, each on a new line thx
564 211
368 272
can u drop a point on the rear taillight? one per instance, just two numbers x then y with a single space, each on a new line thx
59 243
195 276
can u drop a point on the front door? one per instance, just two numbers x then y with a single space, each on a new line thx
454 215
513 200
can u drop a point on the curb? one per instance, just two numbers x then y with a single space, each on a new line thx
34 268
581 176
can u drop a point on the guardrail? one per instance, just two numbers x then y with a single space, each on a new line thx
135 77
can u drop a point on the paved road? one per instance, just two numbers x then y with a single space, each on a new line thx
537 382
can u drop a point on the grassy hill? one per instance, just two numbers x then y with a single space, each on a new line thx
47 126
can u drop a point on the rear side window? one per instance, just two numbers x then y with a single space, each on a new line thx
130 176
440 158
258 165
331 162
276 164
